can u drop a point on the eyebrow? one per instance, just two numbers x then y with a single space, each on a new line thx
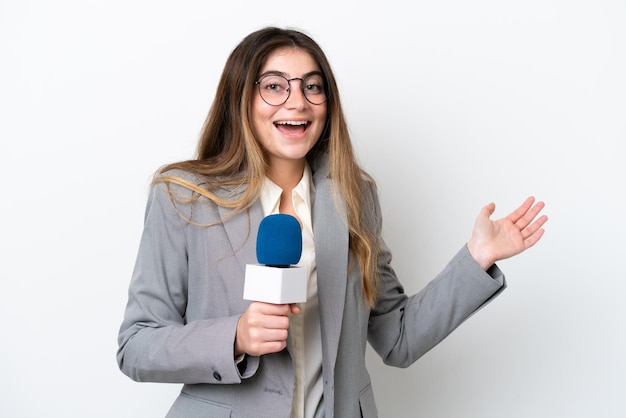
280 73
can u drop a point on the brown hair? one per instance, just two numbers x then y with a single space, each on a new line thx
229 155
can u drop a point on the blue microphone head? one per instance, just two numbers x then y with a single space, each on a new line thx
279 241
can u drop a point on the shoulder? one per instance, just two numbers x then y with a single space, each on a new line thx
185 183
183 194
177 177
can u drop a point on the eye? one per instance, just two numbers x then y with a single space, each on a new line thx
313 88
274 85
314 85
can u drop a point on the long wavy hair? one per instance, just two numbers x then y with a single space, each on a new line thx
228 154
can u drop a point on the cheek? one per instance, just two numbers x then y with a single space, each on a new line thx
261 117
322 117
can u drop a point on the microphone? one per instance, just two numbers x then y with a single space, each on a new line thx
278 247
279 241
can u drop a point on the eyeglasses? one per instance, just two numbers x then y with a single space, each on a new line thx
276 89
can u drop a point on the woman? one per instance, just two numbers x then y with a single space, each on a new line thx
276 141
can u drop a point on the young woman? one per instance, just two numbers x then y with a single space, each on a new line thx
276 141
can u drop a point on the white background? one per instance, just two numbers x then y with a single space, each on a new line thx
452 104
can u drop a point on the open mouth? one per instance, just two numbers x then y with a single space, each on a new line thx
292 126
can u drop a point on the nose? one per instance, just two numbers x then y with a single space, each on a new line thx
296 94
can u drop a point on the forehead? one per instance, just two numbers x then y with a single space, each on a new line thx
291 61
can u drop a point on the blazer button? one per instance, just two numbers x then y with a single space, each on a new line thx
217 376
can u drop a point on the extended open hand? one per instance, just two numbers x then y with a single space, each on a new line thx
496 240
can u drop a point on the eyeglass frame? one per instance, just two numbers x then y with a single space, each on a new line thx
289 80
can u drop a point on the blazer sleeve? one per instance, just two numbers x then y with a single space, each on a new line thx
403 328
155 341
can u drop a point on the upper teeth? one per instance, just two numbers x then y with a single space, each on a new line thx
292 122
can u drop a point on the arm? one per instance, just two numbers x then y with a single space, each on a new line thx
402 328
156 343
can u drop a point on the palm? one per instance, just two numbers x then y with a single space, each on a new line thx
496 240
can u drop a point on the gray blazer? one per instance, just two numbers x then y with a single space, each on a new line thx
185 298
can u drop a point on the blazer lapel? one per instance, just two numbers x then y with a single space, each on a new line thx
242 230
331 252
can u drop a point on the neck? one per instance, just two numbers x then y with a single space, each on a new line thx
286 174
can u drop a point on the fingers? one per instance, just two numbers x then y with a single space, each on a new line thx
532 239
524 219
521 211
523 216
263 328
270 308
534 231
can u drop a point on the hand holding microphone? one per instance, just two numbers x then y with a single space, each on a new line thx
275 286
262 329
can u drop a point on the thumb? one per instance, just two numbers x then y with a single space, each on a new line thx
488 210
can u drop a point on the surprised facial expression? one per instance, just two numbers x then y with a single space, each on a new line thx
288 131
